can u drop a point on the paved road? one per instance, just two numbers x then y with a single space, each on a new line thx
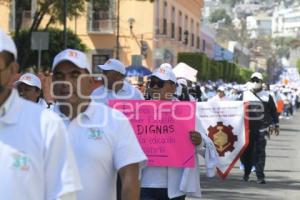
282 171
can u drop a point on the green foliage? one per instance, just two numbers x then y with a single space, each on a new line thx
298 65
213 70
220 14
30 58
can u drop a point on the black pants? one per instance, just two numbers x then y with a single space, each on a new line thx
255 154
157 194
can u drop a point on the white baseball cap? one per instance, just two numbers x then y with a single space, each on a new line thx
76 57
115 65
165 73
221 88
29 79
7 44
257 75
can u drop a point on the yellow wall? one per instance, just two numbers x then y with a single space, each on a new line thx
4 19
142 13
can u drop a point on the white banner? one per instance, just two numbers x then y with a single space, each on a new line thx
226 125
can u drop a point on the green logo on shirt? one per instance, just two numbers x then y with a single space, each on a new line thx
95 134
20 162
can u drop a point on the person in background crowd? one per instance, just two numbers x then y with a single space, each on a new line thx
182 92
286 98
234 93
220 96
262 112
30 88
115 87
36 160
102 138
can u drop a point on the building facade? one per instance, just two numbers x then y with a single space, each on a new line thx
139 32
259 25
286 21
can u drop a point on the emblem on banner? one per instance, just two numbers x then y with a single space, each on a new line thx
223 137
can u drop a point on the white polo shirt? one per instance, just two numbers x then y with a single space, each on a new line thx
104 142
103 95
36 160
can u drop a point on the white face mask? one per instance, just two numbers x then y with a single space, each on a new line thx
250 86
257 86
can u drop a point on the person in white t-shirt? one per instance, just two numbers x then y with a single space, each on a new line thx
115 87
36 159
30 88
103 139
220 96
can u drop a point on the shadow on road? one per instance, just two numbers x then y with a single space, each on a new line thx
234 188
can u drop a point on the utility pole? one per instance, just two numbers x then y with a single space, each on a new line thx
65 23
118 31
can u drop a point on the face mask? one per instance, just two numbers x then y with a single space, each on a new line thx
250 85
257 86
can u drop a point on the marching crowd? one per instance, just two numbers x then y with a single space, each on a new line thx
64 141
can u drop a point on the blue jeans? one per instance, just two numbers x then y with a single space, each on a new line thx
157 194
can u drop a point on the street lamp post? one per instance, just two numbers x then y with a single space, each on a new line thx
65 23
118 31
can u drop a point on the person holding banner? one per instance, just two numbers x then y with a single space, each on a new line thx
102 138
220 96
169 183
262 113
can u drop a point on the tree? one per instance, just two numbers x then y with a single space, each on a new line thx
218 15
55 46
298 65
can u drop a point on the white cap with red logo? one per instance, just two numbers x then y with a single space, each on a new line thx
76 57
165 73
29 79
115 65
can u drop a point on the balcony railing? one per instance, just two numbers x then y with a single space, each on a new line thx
102 26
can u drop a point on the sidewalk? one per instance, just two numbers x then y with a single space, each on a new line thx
282 171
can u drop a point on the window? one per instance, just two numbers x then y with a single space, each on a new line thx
99 57
198 36
180 26
101 16
22 20
198 42
186 37
179 33
157 26
173 23
192 33
165 22
186 32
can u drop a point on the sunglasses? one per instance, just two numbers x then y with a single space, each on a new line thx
156 82
255 80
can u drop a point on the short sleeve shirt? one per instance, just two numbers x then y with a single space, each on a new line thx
104 142
36 160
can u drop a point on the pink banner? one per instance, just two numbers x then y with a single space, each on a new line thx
162 128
